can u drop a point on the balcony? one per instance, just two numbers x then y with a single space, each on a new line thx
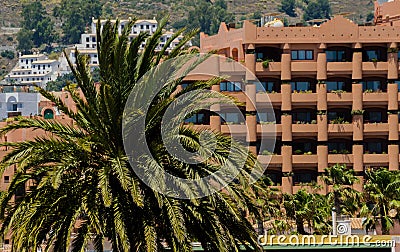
340 97
376 158
272 97
376 97
297 188
304 128
375 66
199 127
376 128
340 128
269 129
340 158
273 67
237 129
304 66
231 66
270 159
305 159
304 98
339 66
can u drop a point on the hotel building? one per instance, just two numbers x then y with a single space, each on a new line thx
88 45
334 90
34 69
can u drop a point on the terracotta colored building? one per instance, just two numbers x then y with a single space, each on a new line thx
334 91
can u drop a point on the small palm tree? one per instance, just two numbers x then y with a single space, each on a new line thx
382 191
85 188
345 198
299 207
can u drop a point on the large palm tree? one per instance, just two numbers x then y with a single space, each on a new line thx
382 189
345 199
86 190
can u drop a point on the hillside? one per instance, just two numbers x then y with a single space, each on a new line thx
358 9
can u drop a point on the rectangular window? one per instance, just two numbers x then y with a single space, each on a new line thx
6 179
87 39
198 118
335 55
265 86
373 85
230 86
372 55
300 85
93 39
335 85
303 117
302 55
373 147
141 27
265 117
231 118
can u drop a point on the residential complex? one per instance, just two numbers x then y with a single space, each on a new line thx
88 45
34 69
334 90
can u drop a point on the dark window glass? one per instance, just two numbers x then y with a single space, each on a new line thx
304 177
335 85
265 117
231 86
198 118
300 85
231 117
374 147
265 86
373 85
302 55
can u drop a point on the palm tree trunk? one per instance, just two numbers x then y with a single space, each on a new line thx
336 196
384 227
300 227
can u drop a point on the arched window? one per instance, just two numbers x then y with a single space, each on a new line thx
48 114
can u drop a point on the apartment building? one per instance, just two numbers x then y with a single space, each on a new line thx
387 12
34 69
334 91
88 45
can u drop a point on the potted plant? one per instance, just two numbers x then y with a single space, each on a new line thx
266 63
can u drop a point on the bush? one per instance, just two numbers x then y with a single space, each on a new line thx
8 54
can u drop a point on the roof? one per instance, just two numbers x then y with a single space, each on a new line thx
356 223
152 21
43 61
31 56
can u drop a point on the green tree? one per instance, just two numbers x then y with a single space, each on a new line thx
207 17
298 207
76 15
370 17
25 43
382 192
346 200
60 82
83 178
317 9
288 7
35 19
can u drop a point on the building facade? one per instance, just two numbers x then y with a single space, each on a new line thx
334 90
34 69
88 45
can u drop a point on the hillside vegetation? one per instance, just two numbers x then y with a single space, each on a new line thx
357 9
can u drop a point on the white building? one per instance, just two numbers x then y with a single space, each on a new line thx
18 103
34 69
88 45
